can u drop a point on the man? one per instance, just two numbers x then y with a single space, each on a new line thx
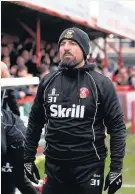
12 152
75 104
43 70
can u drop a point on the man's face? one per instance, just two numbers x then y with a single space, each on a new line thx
5 51
70 52
26 55
123 72
22 73
6 60
10 47
20 61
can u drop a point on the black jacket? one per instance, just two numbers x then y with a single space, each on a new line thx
8 99
12 155
75 105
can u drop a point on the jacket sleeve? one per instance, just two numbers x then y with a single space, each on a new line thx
15 130
3 141
12 103
113 119
35 125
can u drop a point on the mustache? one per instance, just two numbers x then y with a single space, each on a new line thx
68 53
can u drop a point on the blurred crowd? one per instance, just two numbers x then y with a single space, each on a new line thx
20 58
120 75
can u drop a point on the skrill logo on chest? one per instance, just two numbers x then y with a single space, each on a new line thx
76 111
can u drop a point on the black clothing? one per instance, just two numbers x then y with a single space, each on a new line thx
75 105
8 99
12 169
65 178
32 68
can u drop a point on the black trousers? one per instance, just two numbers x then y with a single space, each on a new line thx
73 178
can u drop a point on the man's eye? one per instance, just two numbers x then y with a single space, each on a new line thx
73 43
62 43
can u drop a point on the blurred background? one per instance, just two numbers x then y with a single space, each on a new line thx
29 34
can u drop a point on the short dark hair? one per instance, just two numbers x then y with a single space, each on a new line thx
21 68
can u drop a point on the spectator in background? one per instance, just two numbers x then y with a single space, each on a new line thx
34 59
6 60
43 70
42 52
52 54
22 71
46 59
48 47
42 45
99 61
8 100
13 70
13 54
20 61
19 48
91 59
28 62
118 79
4 52
26 56
54 45
28 44
56 60
16 53
115 74
7 39
124 76
21 92
10 47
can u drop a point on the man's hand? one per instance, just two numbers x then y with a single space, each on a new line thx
32 172
113 182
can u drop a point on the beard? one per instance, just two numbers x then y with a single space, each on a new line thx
69 62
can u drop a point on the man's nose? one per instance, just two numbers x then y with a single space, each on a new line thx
66 47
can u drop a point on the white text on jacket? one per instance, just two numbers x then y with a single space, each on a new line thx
76 111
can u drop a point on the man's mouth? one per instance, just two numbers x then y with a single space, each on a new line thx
67 55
